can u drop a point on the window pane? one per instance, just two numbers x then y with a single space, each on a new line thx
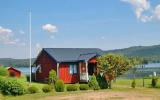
75 68
70 69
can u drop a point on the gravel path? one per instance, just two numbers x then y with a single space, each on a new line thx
105 95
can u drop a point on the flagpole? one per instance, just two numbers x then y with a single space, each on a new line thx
30 41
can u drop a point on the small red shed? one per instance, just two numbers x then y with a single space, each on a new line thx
13 72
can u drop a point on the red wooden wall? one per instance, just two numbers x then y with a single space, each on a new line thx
47 63
14 71
66 76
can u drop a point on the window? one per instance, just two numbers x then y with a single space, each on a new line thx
70 69
39 69
73 69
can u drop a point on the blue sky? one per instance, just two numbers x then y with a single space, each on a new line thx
105 24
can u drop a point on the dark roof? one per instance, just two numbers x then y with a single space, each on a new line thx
73 54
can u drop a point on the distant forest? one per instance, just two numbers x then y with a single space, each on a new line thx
151 53
15 62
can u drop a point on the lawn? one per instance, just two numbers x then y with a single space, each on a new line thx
121 90
139 82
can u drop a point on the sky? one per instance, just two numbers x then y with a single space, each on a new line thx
104 24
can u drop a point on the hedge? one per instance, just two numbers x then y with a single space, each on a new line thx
32 89
72 87
83 87
59 86
46 88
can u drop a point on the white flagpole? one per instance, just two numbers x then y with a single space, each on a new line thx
30 41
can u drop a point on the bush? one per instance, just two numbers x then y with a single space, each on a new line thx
103 84
93 83
11 87
154 81
59 86
83 87
72 87
133 84
2 81
32 89
52 77
3 71
46 88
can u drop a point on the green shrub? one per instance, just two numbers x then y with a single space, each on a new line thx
154 81
133 84
52 77
3 71
83 87
59 86
2 81
11 87
46 88
72 87
93 83
33 89
103 84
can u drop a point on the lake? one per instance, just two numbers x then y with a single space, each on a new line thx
25 70
153 65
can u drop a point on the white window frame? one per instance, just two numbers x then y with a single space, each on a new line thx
39 68
73 69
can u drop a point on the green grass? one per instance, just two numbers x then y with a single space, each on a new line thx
121 85
1 97
139 82
41 95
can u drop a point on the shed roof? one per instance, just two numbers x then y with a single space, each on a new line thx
11 68
73 54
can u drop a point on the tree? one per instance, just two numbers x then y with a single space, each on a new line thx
52 77
113 65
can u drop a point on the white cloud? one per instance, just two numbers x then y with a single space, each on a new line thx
49 28
7 37
141 7
5 30
157 12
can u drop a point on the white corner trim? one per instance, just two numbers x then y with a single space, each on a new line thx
57 70
87 70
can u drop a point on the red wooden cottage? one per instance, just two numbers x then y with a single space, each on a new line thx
14 72
71 64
